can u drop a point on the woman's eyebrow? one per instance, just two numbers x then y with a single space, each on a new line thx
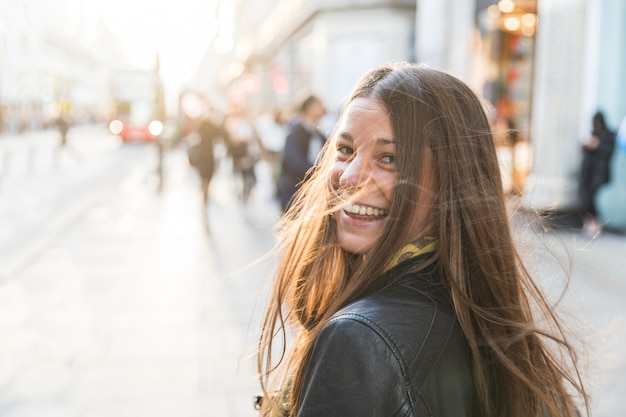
385 141
379 141
347 136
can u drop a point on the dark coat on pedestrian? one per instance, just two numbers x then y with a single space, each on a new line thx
209 132
595 168
296 159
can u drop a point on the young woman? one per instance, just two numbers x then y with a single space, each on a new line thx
399 274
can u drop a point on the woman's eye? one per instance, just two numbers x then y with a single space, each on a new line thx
345 150
388 159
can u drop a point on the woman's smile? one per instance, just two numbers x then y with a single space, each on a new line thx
357 223
364 211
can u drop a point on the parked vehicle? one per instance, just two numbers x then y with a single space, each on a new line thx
139 105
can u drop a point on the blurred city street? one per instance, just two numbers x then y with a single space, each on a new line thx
117 299
122 295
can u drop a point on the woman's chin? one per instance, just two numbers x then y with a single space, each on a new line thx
356 235
357 245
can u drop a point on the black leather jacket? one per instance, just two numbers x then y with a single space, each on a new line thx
399 352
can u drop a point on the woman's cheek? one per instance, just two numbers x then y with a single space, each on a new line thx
387 186
335 174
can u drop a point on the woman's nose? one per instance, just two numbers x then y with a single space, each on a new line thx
356 172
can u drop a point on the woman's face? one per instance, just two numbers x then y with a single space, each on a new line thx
363 173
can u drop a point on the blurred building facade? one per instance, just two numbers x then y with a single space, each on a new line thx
285 47
55 57
542 66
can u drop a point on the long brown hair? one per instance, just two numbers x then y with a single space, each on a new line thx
519 369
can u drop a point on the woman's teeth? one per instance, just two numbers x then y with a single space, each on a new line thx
363 210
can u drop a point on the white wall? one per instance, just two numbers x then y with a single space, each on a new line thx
557 102
444 35
350 42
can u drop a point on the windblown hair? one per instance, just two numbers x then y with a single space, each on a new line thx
519 369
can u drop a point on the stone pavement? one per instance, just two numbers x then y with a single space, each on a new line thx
134 308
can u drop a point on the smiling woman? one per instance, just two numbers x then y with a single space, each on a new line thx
399 273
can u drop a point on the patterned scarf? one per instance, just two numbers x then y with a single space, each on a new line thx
424 245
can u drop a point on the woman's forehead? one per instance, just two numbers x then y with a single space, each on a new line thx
365 103
365 114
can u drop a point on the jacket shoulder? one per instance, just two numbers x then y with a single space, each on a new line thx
399 352
417 323
413 321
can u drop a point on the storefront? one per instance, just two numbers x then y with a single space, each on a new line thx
503 49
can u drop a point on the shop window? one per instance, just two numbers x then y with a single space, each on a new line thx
503 74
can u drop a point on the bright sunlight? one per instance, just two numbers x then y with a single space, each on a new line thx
179 30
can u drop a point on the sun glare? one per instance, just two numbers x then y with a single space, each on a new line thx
179 31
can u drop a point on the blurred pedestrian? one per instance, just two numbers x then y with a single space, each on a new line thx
202 154
399 274
595 171
270 126
243 147
271 130
506 134
302 145
63 125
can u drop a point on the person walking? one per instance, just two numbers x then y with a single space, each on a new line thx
595 171
271 130
202 154
399 275
63 125
302 145
244 149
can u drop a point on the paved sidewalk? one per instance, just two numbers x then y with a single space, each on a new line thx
34 153
133 310
586 280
